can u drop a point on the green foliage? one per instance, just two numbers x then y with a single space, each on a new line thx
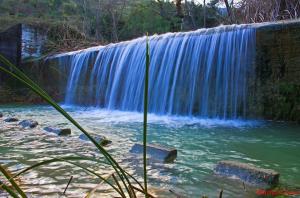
106 20
143 19
69 8
282 102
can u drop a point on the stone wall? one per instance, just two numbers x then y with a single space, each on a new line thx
19 44
22 42
10 47
277 84
275 87
10 44
44 72
33 42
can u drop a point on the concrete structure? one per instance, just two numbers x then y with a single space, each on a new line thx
58 131
19 44
22 42
28 123
11 44
11 119
156 152
103 141
274 89
248 173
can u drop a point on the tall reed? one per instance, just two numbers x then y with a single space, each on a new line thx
125 178
146 114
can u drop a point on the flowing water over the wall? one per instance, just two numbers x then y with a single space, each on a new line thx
201 73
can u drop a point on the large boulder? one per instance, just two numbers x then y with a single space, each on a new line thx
103 141
247 173
28 123
58 131
156 152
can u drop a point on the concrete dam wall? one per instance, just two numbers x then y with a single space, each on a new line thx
273 89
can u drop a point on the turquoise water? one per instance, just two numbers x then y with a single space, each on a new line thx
201 143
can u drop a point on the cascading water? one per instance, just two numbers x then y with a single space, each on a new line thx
201 73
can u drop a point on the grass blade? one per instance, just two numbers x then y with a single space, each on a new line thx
69 182
118 184
67 160
12 181
146 115
19 75
89 194
142 191
8 190
76 158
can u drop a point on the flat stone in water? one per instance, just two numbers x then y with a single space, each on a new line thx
58 131
11 120
28 123
248 173
103 141
156 152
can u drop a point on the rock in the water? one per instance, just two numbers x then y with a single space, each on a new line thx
58 131
11 120
28 123
248 173
1 115
156 152
103 141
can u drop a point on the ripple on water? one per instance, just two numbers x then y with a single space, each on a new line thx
201 143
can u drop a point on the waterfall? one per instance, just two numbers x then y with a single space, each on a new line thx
200 73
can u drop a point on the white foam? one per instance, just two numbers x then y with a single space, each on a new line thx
115 116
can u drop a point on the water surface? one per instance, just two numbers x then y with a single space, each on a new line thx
201 143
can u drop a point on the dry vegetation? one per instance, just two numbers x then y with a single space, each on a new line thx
253 11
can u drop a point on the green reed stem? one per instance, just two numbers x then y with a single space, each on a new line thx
76 158
19 75
146 115
9 190
13 183
67 160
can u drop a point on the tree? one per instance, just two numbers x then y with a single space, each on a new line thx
204 14
269 10
179 12
145 16
98 33
228 10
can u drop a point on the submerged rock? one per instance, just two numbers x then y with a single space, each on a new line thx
156 152
103 141
11 120
28 123
177 193
58 131
1 115
248 173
